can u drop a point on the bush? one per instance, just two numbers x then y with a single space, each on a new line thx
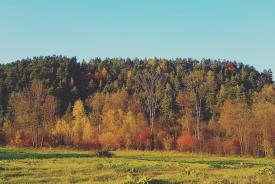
143 139
104 154
94 144
185 141
21 139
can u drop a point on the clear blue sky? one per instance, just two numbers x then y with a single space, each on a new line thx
241 30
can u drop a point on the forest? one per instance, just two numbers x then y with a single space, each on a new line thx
211 106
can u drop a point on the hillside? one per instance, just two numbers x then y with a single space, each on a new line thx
212 106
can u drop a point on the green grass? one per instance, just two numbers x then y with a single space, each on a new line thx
71 166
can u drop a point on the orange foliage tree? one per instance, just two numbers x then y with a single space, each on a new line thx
185 141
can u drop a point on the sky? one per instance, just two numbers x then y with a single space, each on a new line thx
238 30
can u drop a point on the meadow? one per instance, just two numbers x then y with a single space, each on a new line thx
81 166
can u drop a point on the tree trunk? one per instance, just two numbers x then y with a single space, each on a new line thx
152 131
198 117
42 141
36 137
33 137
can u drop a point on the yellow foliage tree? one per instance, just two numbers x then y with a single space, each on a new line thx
267 94
104 72
118 100
96 104
128 129
236 120
78 109
264 116
82 129
109 141
62 130
152 62
87 133
111 120
131 125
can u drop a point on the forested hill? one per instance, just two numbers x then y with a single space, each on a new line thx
183 90
69 80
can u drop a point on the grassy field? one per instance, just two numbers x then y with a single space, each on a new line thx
69 166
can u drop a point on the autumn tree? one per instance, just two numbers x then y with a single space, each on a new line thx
135 103
167 103
185 101
62 131
196 83
128 129
121 95
117 100
82 129
211 100
236 120
34 109
109 141
96 103
264 113
151 83
264 117
111 122
132 124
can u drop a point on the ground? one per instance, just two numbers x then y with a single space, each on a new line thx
71 166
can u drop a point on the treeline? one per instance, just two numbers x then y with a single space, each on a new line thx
212 106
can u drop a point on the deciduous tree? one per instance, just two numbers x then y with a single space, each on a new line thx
33 109
151 83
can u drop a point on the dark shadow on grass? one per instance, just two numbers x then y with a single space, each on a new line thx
12 155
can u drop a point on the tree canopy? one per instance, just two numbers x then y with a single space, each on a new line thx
157 103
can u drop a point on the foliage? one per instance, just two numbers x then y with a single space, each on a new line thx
109 141
114 103
185 141
33 110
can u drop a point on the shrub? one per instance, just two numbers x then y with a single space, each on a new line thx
143 139
21 139
104 154
94 143
185 141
